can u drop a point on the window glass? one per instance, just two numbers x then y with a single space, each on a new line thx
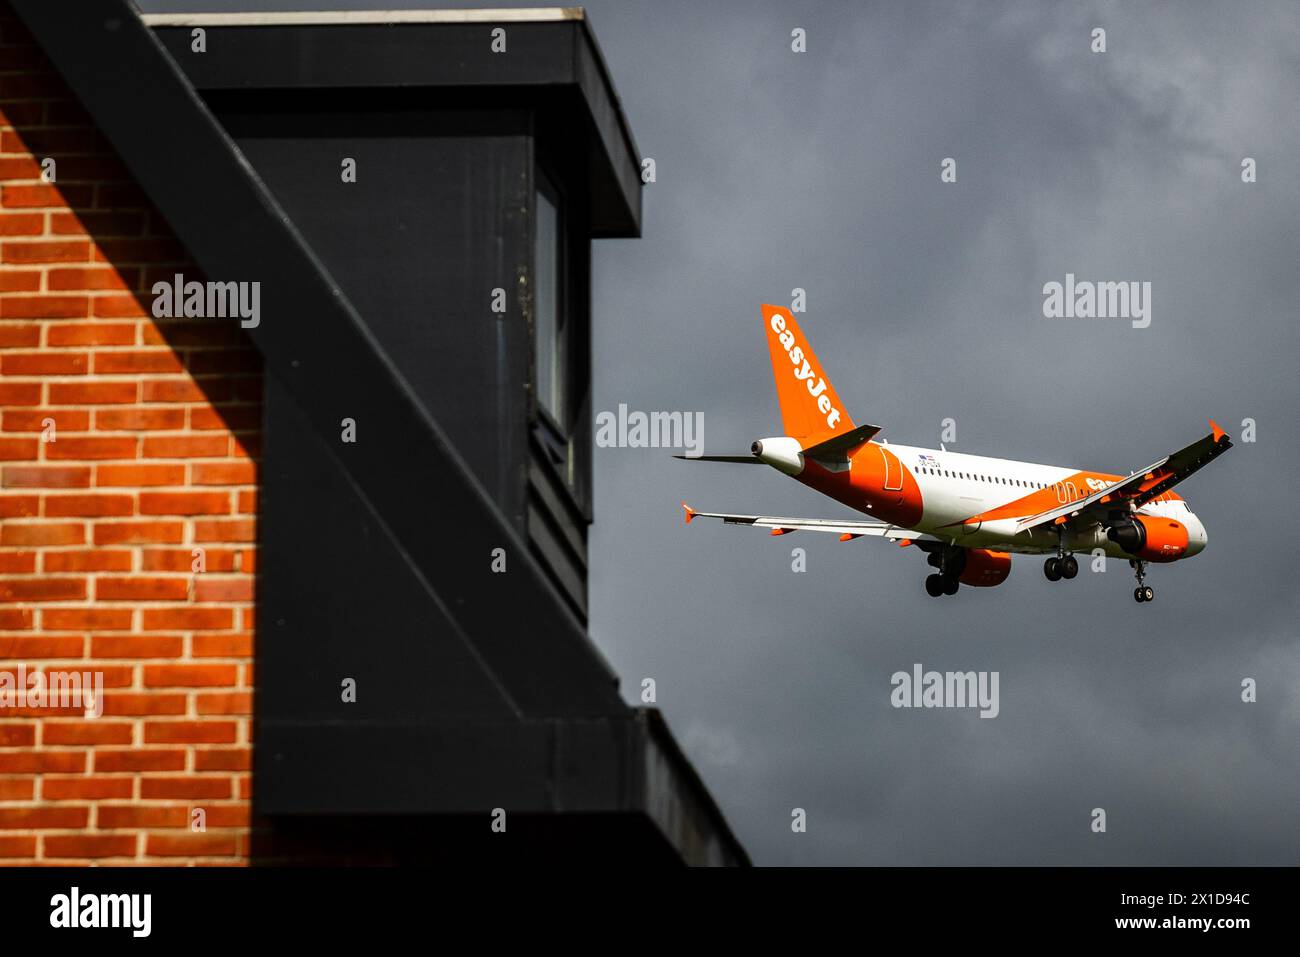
548 306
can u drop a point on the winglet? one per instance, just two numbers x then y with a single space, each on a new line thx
690 512
1218 432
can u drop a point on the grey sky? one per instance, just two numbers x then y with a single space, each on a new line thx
821 170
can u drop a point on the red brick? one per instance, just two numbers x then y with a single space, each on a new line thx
143 704
223 759
44 307
157 788
92 334
20 280
190 845
20 393
142 589
85 789
116 307
18 735
171 390
138 533
55 251
86 448
17 789
138 815
122 363
92 393
35 420
42 646
137 646
22 224
87 560
19 450
90 845
225 530
191 732
77 278
37 196
17 846
17 563
139 759
184 503
45 476
184 446
223 473
224 702
86 619
42 533
42 589
28 818
190 676
228 815
234 645
139 419
16 619
88 505
13 335
43 363
138 475
19 506
41 762
188 619
224 589
86 732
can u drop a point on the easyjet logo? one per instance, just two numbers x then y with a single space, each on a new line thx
803 371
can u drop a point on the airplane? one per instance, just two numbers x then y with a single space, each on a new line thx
968 513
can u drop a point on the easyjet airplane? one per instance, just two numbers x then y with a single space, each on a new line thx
968 513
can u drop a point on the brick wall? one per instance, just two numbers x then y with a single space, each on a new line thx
152 455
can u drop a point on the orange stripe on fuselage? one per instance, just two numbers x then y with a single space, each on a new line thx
1071 488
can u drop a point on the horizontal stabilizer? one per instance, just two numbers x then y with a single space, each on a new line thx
840 447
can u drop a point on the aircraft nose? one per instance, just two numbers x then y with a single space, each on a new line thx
1196 537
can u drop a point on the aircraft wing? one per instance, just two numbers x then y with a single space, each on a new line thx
845 529
1142 486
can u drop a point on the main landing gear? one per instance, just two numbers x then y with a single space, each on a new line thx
1143 592
1063 564
950 561
1067 566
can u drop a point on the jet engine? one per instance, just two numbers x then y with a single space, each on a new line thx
1151 538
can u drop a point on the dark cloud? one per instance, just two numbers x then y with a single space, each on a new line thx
821 171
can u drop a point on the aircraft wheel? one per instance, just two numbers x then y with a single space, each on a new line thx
1139 594
1052 569
1069 566
1148 593
950 585
934 586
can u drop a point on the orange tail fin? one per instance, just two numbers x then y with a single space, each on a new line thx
809 404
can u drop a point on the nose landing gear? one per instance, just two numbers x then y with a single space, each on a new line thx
1143 592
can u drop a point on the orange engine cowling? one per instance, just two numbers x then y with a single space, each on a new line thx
1151 538
985 568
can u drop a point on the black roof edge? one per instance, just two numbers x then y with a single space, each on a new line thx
315 50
